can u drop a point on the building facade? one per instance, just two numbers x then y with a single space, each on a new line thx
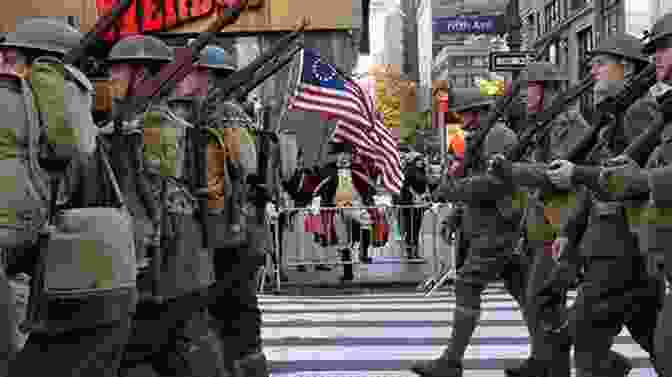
393 50
409 39
464 65
424 19
574 27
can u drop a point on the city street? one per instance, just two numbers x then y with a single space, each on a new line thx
388 265
380 335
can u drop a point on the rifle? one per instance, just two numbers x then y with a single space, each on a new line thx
278 64
241 77
608 111
172 74
103 24
539 124
642 147
497 111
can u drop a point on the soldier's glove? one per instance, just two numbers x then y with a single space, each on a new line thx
315 206
624 178
560 173
500 167
559 246
655 265
554 289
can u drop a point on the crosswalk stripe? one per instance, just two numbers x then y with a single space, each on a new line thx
381 335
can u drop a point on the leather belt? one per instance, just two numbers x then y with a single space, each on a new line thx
608 208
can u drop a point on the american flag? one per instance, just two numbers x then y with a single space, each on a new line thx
321 89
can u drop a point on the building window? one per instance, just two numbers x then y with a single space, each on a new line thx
551 15
460 61
479 61
611 14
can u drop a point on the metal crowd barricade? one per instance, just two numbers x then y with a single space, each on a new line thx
311 239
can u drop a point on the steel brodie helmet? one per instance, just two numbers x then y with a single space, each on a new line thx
542 71
622 45
661 31
466 99
217 58
43 34
140 48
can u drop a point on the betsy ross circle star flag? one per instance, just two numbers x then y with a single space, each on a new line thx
322 88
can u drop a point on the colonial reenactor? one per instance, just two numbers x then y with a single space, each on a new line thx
624 180
236 313
491 230
615 277
347 183
83 321
549 350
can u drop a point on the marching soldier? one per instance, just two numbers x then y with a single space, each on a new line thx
161 171
490 224
549 349
615 276
236 313
624 180
83 333
8 344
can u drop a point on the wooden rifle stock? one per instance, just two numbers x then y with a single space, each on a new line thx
103 24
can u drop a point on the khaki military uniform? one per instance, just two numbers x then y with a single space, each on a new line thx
543 219
236 313
615 284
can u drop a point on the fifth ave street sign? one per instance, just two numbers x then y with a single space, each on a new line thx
510 60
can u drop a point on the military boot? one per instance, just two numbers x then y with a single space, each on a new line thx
252 365
531 367
346 257
620 365
441 367
365 242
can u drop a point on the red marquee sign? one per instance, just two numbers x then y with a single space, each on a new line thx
155 15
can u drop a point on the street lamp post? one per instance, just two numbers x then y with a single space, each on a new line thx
514 38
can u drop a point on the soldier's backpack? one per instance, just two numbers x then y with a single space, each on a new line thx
24 196
42 127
